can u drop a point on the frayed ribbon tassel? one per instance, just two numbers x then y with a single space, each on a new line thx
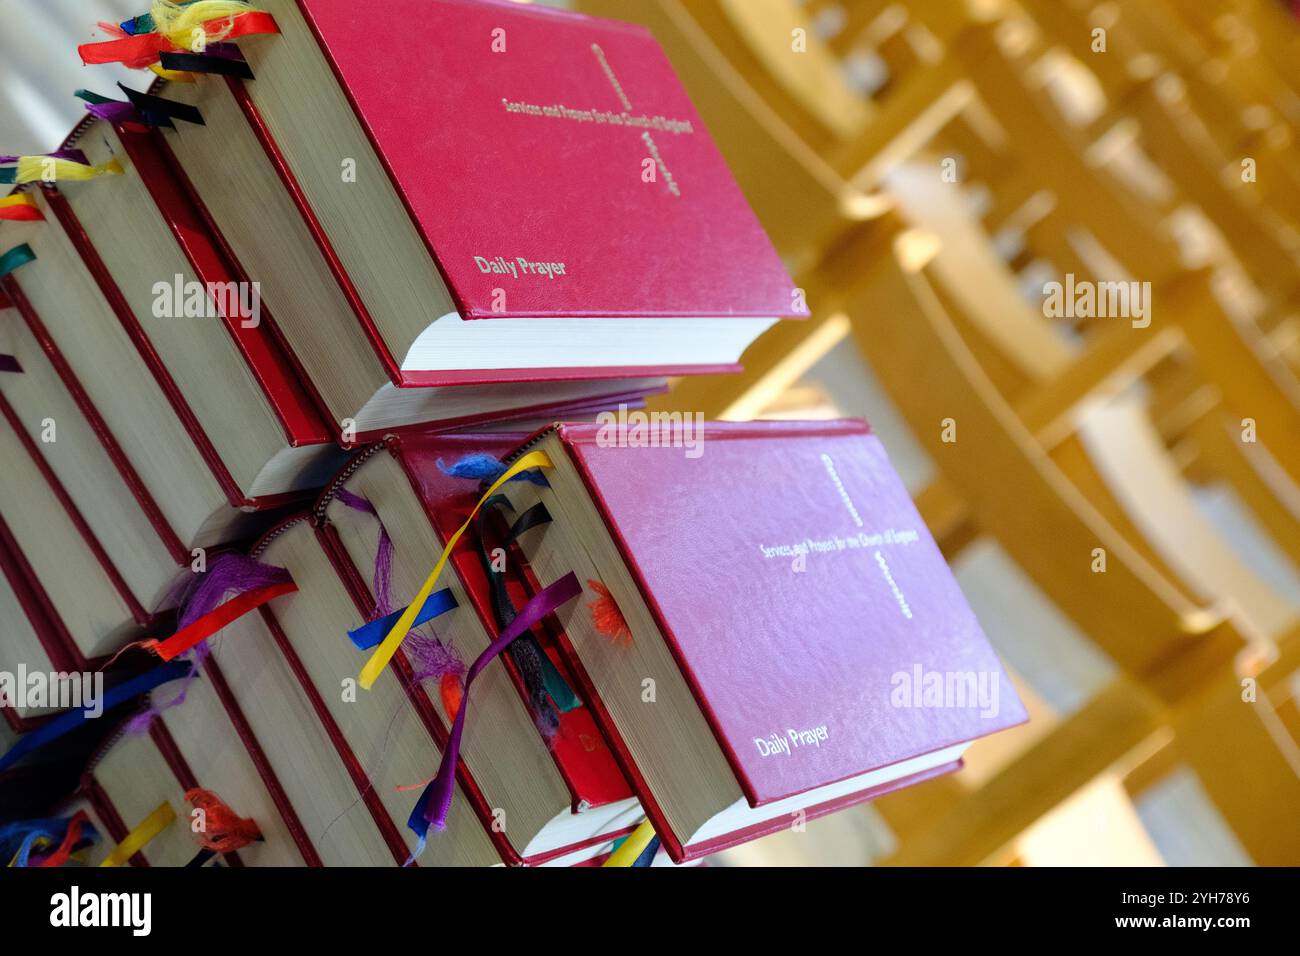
46 843
52 169
223 831
177 28
606 617
482 467
203 614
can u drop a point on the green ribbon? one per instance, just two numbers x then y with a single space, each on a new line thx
15 257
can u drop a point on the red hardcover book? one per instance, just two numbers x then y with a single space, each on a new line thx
807 643
180 301
598 803
207 741
262 231
549 205
186 314
89 335
54 365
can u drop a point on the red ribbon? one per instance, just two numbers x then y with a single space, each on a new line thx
212 622
145 49
70 840
21 213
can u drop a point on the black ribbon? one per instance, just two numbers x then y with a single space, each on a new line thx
525 651
201 858
147 103
198 63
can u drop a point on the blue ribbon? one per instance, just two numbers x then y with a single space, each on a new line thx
372 635
67 722
27 832
647 857
15 257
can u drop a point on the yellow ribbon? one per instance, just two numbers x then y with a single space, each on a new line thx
181 23
48 169
633 846
385 651
17 199
135 841
172 76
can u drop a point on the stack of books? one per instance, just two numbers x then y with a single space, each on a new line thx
272 328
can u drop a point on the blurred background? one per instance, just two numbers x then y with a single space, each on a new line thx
1117 484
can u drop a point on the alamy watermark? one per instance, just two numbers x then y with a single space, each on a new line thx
1098 300
947 690
641 429
52 690
191 299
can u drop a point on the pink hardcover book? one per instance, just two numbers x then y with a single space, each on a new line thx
542 199
768 630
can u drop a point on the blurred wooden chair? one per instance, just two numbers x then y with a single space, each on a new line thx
1159 116
864 105
1255 38
1080 198
1242 740
1169 648
1052 383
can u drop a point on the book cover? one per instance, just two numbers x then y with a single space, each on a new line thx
842 619
528 167
845 603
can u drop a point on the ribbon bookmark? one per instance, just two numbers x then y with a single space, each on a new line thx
20 207
435 802
204 63
148 103
630 850
369 635
212 622
210 21
71 720
50 169
137 839
379 660
15 257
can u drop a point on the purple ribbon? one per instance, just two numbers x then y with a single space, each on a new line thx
435 801
72 155
114 112
381 583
